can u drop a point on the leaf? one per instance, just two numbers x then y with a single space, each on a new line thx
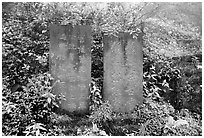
157 95
46 104
44 31
29 127
165 84
55 104
26 132
37 132
180 122
103 133
49 100
95 128
170 121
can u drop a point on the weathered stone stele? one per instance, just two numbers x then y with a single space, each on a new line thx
123 72
70 65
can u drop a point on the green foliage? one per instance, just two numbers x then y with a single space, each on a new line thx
152 117
94 131
102 114
149 119
34 130
190 86
187 124
177 81
174 80
155 119
34 104
25 44
96 72
160 78
95 97
102 118
97 58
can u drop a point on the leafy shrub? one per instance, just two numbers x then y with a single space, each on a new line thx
160 80
193 127
173 80
102 114
102 117
34 130
97 58
95 97
152 109
94 131
153 117
34 104
96 72
190 86
25 43
184 131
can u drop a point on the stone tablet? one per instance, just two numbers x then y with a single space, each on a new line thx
123 72
70 65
